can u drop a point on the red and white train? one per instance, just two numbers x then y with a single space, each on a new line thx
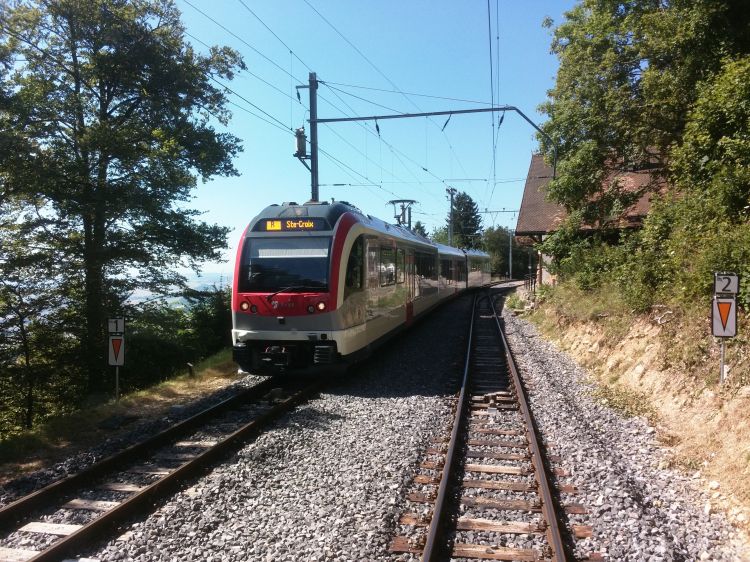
321 284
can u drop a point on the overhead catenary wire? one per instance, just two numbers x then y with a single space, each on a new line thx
329 83
375 67
243 41
277 122
216 22
274 34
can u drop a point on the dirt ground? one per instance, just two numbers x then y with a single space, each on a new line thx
65 437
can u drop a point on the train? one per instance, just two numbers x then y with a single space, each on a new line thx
321 285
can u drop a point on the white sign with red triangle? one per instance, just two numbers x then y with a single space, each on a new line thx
724 317
117 351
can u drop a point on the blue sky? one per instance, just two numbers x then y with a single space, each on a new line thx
437 48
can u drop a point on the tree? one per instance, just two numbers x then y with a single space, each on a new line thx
440 235
419 228
116 109
496 242
626 82
467 224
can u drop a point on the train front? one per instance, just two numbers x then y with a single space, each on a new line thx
281 299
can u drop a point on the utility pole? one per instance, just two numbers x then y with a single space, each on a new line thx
301 141
314 121
510 253
451 192
313 85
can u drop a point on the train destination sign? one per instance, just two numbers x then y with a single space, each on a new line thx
297 224
724 317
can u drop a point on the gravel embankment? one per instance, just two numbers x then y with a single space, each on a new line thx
141 430
639 510
328 481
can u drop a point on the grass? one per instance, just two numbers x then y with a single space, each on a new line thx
514 302
65 435
628 402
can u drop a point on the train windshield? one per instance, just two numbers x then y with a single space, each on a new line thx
276 264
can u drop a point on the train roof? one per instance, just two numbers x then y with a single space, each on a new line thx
444 250
476 254
327 215
330 213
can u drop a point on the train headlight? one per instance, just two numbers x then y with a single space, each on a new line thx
321 306
311 309
244 305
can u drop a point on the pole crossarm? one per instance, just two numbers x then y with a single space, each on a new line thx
495 109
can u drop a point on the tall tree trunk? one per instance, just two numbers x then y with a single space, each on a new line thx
94 341
30 378
29 413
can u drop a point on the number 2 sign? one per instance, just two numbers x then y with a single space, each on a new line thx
726 283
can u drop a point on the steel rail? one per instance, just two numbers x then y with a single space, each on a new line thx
554 536
433 548
19 509
137 503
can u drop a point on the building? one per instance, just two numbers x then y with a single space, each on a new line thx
538 217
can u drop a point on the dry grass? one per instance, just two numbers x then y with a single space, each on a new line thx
665 365
67 435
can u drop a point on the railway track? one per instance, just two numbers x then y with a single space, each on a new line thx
486 492
74 513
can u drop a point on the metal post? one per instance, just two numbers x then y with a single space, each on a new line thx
451 191
313 136
721 372
117 384
510 253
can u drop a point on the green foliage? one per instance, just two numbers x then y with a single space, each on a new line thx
106 121
495 241
161 339
419 228
440 235
665 87
114 110
514 302
467 223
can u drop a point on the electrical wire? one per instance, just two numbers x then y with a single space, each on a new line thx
274 34
329 83
365 100
268 59
372 64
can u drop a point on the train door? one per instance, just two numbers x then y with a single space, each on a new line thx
410 287
372 272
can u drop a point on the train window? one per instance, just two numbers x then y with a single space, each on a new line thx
460 271
387 267
355 268
445 270
426 265
400 265
273 264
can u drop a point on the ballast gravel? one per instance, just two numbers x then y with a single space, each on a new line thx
328 481
639 510
138 431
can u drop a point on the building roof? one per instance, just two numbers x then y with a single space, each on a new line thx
538 215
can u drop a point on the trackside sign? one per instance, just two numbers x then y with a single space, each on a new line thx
724 317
